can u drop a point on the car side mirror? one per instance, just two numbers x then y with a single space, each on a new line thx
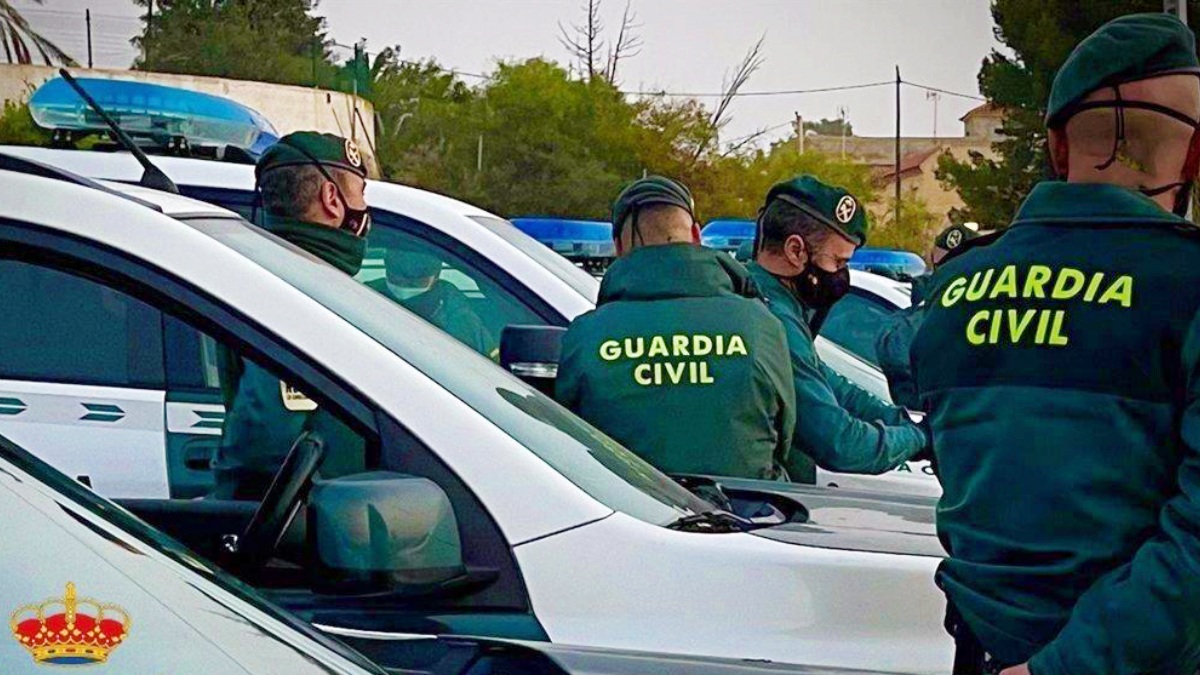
380 532
532 353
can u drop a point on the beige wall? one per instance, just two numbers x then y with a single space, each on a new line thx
882 150
984 125
288 108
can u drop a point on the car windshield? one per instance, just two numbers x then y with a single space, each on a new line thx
595 463
178 608
573 276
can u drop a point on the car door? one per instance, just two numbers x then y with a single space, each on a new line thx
149 606
81 377
491 600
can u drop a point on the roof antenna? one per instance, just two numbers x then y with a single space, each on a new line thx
152 176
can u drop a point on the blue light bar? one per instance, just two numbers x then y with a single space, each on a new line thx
152 110
727 234
889 262
571 238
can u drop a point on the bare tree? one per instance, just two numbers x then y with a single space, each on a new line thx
583 41
749 65
738 144
16 35
628 44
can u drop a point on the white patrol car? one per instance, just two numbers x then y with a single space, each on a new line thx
545 529
508 277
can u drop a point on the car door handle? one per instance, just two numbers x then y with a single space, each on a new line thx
199 459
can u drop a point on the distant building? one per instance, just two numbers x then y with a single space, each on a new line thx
918 159
984 122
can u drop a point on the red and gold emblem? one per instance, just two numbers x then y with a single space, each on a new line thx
69 630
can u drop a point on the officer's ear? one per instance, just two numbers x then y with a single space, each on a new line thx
795 250
695 232
1060 152
330 201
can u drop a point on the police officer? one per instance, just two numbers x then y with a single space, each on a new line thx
680 361
412 279
895 338
1060 365
312 187
807 233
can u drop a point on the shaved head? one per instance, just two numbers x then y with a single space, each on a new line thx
658 224
1154 147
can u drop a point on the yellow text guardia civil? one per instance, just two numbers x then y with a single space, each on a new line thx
691 351
1039 326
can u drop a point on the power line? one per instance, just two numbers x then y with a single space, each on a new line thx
944 91
783 92
57 13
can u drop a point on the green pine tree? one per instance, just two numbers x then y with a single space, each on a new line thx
1041 34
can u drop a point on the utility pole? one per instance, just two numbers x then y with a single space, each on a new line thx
843 111
1176 7
479 156
935 97
149 27
799 133
87 13
358 50
898 82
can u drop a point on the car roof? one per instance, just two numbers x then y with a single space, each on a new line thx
123 167
895 292
176 206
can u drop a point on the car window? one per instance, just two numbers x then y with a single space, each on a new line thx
855 322
595 463
583 283
154 606
464 300
55 327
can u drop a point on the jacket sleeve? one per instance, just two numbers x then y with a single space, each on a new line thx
566 384
776 367
837 439
859 402
893 348
1143 616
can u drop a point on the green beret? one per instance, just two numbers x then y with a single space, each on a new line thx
954 236
1126 49
309 147
648 191
833 206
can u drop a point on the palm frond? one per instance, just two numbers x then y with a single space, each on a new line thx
17 35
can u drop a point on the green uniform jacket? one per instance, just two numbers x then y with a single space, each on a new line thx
893 345
682 363
260 429
446 307
1060 367
838 424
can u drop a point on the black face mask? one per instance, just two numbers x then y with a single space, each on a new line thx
354 221
819 289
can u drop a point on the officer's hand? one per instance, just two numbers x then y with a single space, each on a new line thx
1022 669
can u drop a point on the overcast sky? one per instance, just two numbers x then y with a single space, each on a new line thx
690 46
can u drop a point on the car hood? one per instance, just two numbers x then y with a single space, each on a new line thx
850 519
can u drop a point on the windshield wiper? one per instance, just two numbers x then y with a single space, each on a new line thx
715 522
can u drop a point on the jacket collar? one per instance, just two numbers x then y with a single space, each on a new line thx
1060 203
671 271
